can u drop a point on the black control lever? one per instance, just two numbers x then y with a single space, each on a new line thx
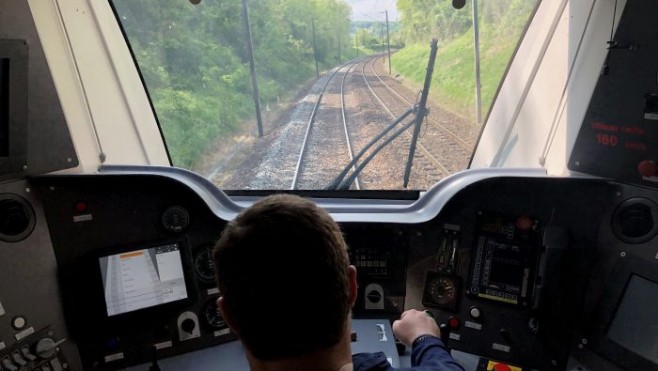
551 264
154 356
445 333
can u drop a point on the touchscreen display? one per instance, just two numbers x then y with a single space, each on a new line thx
634 326
505 258
142 278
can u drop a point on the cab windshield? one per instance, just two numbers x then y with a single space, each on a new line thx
321 94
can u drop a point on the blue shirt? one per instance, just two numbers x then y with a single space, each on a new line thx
427 355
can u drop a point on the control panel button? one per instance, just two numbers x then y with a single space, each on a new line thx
504 333
647 168
46 348
501 367
454 323
81 206
18 359
188 325
8 365
374 297
475 312
18 322
25 351
56 365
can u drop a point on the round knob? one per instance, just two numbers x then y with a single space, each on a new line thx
445 333
46 348
188 325
374 296
454 323
18 322
475 312
15 218
504 333
647 168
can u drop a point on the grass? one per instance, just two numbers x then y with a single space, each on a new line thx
453 81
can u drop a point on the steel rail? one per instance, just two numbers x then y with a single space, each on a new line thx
438 125
311 121
347 135
422 148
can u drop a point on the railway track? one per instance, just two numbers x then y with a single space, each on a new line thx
425 154
323 154
326 137
437 141
320 135
430 119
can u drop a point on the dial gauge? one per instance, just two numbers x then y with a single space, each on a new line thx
212 316
441 291
175 219
204 268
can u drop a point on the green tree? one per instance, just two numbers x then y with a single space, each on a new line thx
194 61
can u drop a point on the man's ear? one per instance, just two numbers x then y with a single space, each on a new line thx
226 314
353 286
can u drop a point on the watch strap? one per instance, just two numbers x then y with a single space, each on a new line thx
422 338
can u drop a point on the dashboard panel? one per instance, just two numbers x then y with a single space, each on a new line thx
507 268
534 272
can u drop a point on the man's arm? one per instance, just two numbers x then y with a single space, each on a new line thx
420 331
430 353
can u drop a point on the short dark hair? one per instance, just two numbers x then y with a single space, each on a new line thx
282 268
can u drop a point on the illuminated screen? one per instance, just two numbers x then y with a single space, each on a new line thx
634 326
506 267
4 107
142 278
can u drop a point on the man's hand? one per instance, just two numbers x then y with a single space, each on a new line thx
414 323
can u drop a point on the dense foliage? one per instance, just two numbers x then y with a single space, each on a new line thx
193 59
438 18
501 23
372 34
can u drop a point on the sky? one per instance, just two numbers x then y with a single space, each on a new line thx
368 10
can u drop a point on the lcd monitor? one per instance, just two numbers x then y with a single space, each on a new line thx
142 278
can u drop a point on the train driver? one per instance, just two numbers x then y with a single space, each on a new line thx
288 289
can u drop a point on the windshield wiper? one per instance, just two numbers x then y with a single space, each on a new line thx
340 182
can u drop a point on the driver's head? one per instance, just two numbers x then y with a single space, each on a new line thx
282 269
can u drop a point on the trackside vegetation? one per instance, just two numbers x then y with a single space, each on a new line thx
501 24
193 57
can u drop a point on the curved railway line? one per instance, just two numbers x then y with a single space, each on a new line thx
317 137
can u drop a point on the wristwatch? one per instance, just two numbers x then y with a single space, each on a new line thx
422 338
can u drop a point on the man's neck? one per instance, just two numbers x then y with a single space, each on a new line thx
336 358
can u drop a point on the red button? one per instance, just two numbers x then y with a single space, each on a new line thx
647 168
80 206
524 223
501 367
454 323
